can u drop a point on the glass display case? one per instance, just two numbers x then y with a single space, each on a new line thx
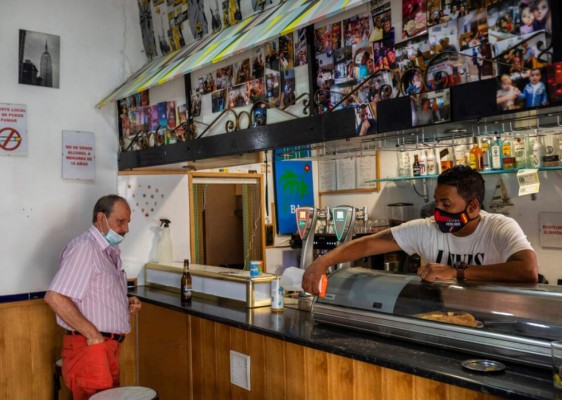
514 322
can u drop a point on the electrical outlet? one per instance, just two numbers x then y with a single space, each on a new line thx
240 369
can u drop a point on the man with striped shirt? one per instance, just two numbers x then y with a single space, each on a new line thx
89 296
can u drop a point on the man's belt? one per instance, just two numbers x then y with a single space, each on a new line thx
112 336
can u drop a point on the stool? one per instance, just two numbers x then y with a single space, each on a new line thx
127 393
57 375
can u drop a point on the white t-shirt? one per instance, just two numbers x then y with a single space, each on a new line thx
496 238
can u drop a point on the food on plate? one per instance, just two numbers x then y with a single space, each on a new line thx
449 317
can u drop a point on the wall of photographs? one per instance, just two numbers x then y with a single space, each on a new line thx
427 47
405 55
169 25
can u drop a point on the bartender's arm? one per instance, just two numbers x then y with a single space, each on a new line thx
65 308
519 267
378 243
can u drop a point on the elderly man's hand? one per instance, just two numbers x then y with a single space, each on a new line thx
134 305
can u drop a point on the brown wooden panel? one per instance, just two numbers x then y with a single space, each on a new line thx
367 382
238 343
274 369
294 372
459 393
427 389
3 367
397 385
197 364
222 356
340 377
163 351
18 352
127 356
42 350
315 372
256 351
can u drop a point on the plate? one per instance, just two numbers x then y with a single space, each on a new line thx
480 365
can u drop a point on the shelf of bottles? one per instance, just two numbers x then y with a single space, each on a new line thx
497 153
487 172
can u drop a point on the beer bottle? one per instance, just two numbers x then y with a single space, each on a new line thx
186 283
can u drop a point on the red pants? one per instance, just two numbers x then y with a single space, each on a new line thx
89 369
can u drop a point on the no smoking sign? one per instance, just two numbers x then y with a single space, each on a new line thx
10 139
13 129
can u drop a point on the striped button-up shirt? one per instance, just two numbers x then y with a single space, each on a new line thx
90 274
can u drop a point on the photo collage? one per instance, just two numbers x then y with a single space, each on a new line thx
268 75
443 43
142 125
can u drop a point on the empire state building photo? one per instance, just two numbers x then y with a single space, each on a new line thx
39 59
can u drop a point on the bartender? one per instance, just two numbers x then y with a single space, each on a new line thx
460 241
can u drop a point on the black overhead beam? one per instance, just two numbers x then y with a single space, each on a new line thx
297 132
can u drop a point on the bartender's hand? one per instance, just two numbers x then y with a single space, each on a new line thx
311 278
433 272
134 305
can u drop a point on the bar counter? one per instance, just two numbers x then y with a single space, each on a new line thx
298 327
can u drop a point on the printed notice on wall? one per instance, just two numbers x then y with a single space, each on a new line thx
345 174
326 175
13 129
550 229
78 155
366 172
528 180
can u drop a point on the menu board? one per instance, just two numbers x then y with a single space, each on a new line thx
326 175
345 174
366 171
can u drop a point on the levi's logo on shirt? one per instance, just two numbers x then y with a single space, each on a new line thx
453 259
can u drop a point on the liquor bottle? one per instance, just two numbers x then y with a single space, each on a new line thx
550 157
430 165
538 153
507 146
475 156
423 163
496 154
531 140
186 283
460 154
445 160
403 162
485 147
416 166
520 151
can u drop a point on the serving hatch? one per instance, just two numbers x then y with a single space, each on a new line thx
512 322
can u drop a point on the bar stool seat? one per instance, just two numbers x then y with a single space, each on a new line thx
127 393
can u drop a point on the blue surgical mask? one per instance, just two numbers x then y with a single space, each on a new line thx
112 237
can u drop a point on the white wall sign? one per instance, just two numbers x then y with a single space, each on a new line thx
13 129
550 229
78 155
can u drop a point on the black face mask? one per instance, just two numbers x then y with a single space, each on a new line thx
451 222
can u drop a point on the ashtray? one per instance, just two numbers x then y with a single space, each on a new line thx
486 366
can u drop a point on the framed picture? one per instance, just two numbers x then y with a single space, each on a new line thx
293 188
39 62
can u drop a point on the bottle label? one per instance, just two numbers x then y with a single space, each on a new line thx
431 167
255 268
496 157
276 295
186 293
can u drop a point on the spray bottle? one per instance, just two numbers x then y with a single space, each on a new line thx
165 251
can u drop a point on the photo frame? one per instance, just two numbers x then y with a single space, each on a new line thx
39 61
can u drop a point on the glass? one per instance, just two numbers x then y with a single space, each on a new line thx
556 348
